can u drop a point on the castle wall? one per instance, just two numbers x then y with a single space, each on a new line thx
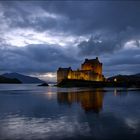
62 74
91 70
85 75
96 68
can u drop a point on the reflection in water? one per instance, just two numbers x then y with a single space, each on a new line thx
36 114
89 100
118 92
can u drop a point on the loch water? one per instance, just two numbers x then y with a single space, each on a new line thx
28 111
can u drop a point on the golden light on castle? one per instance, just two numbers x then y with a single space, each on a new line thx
91 70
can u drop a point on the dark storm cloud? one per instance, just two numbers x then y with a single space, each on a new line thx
90 16
108 42
118 19
129 57
97 46
79 17
34 58
21 16
106 25
123 62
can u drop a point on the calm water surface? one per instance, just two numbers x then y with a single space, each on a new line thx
32 112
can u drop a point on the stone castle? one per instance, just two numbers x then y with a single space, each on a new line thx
91 70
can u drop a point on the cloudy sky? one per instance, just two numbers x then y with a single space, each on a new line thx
36 37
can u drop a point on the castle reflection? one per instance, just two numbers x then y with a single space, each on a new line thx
89 100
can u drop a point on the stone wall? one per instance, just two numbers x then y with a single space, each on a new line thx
85 75
91 70
62 74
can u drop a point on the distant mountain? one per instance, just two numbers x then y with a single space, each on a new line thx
126 78
23 78
138 74
9 80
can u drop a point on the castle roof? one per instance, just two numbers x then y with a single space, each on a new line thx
92 61
65 69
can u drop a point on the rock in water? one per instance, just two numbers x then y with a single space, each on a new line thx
44 84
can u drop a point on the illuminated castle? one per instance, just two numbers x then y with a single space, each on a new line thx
91 70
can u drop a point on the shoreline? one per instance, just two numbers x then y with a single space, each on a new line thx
97 84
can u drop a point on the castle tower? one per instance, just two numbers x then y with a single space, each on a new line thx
93 65
91 70
62 73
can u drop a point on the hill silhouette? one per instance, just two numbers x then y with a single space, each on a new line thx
9 80
23 78
126 78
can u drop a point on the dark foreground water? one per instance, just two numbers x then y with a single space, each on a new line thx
50 113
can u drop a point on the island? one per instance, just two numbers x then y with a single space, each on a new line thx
44 84
90 75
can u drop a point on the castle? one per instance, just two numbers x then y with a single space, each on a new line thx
91 70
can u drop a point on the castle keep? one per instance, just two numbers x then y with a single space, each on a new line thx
91 70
